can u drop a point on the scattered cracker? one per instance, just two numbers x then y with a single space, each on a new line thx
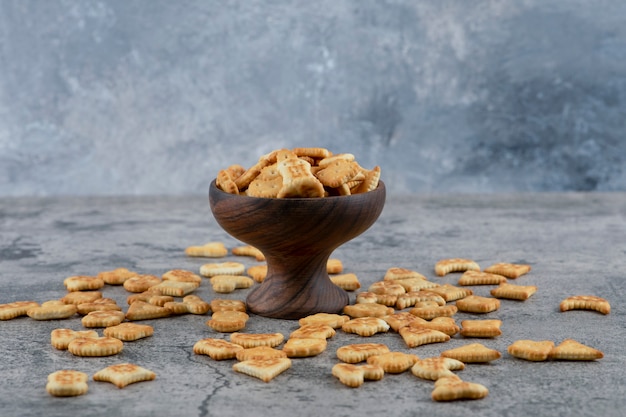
367 310
347 282
55 310
413 297
263 369
248 250
250 340
257 272
67 383
365 326
446 325
450 292
354 376
181 275
414 284
388 300
16 309
571 350
398 320
393 362
83 283
61 338
222 268
386 287
191 304
174 288
228 321
359 352
418 336
260 352
446 266
116 276
151 298
509 270
104 318
141 283
472 277
101 304
330 319
217 349
225 284
586 302
304 347
472 353
140 310
431 312
478 304
396 273
481 328
531 350
129 332
451 389
95 346
208 250
437 367
514 292
124 374
313 331
219 304
80 297
334 266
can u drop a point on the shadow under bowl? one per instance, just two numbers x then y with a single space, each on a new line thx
297 236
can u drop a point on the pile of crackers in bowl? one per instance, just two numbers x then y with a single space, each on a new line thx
299 172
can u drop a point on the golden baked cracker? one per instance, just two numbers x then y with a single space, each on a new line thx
472 353
429 313
415 284
451 389
267 184
313 331
129 332
478 304
191 304
208 250
222 268
370 182
365 326
586 302
388 300
572 350
514 292
393 362
334 266
304 347
367 310
140 310
124 374
418 336
141 283
60 338
235 170
257 272
181 275
531 350
436 367
298 180
330 319
251 173
337 172
225 284
150 298
95 346
446 266
16 309
103 318
101 304
263 369
411 298
56 310
386 287
249 250
259 352
217 349
250 340
83 283
80 297
398 320
396 273
329 160
67 383
116 276
472 277
359 352
481 328
314 152
446 325
228 321
174 288
354 376
347 282
219 304
450 292
509 270
225 182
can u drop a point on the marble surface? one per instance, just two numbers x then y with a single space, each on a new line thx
573 241
155 96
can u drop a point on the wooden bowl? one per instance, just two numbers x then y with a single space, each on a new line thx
297 236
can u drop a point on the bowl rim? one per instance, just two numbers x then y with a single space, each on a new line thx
381 186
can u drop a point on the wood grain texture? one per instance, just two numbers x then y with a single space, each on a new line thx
297 236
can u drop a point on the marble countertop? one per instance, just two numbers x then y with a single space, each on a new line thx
575 243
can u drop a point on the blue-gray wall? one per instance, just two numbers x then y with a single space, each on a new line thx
154 96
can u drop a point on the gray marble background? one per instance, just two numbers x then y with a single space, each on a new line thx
154 96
